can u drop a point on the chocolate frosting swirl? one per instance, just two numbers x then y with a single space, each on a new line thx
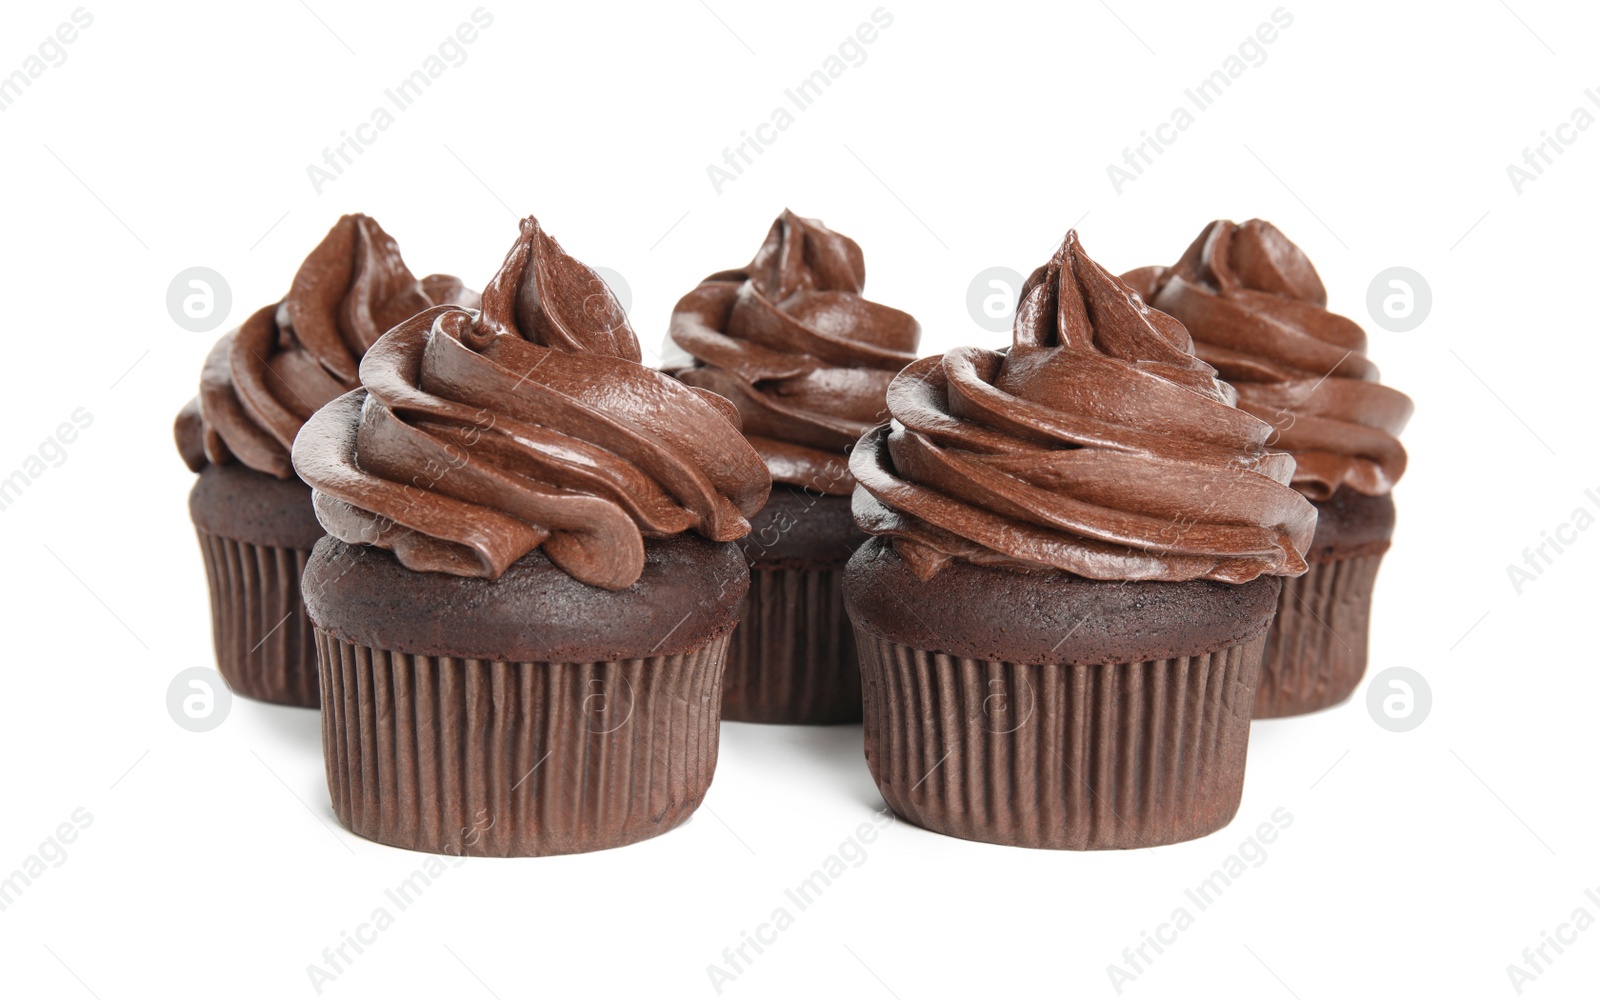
479 436
789 339
1258 313
263 380
1097 444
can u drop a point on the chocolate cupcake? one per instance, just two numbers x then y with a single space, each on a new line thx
789 339
523 606
259 384
1077 547
1258 313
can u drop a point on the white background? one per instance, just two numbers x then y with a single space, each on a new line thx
1375 134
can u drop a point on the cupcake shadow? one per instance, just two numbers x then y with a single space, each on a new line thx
293 729
831 756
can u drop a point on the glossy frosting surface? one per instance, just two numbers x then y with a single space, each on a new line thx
263 380
1258 313
478 436
1097 444
791 341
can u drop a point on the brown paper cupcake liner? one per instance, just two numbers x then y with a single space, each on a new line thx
259 626
793 654
1317 648
493 758
1059 756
